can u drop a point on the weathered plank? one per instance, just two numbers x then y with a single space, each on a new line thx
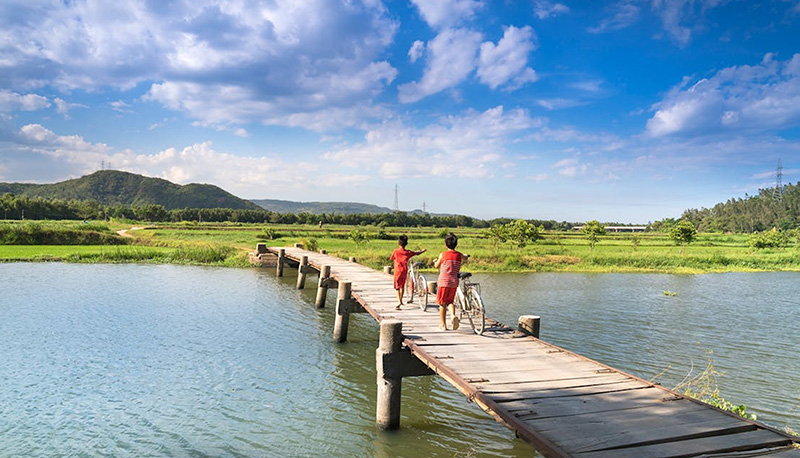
749 440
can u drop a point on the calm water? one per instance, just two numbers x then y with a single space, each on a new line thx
128 360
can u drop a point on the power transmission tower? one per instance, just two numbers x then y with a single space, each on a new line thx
396 205
777 193
424 207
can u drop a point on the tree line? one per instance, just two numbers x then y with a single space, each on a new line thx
762 212
15 207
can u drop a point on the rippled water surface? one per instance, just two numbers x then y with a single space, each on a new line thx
129 360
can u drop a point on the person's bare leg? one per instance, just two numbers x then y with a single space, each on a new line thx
400 297
443 317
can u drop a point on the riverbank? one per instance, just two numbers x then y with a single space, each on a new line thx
228 245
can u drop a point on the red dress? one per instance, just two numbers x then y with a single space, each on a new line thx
400 256
447 283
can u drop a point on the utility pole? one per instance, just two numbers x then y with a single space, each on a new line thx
777 193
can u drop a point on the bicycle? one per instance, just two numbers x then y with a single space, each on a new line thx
469 303
416 285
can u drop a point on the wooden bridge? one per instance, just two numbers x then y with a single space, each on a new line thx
562 403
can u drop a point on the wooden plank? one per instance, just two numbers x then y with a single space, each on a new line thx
790 452
638 427
750 440
605 402
568 391
588 380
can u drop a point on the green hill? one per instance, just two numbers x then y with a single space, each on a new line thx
287 206
112 187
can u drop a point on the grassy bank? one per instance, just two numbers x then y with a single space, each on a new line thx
228 244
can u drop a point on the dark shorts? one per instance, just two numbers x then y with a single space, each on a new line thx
445 295
400 277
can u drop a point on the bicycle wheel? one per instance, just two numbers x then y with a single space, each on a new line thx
476 311
408 293
422 291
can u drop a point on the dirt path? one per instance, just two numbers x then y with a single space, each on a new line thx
124 232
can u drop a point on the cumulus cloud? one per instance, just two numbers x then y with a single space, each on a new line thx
451 58
71 156
545 9
760 97
288 57
442 14
469 145
454 54
12 101
506 62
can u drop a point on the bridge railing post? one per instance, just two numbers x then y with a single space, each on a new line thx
322 287
302 271
281 260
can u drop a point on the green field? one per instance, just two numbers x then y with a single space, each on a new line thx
228 244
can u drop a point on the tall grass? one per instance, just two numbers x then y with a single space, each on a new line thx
52 233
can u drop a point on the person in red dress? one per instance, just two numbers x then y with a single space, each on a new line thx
449 265
401 256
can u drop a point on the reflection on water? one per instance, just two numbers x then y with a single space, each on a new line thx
128 360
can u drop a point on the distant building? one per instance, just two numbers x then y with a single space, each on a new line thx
618 228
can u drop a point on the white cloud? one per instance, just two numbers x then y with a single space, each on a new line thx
12 101
624 13
441 14
760 97
545 9
470 145
416 51
293 57
121 106
451 58
506 63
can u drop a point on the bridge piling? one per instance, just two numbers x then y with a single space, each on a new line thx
281 260
322 287
530 324
302 271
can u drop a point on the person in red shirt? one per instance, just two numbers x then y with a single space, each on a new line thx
401 256
449 265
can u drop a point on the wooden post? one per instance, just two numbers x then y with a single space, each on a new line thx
261 248
302 269
281 260
387 270
323 251
322 288
387 415
352 259
298 245
529 324
342 314
432 288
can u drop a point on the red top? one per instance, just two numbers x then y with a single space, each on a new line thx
401 257
449 268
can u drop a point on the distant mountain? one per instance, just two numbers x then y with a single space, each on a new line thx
287 206
112 187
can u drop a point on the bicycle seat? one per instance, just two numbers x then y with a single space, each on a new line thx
462 275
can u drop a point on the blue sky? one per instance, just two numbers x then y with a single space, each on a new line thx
628 111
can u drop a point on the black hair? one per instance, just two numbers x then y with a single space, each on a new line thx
451 241
402 240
